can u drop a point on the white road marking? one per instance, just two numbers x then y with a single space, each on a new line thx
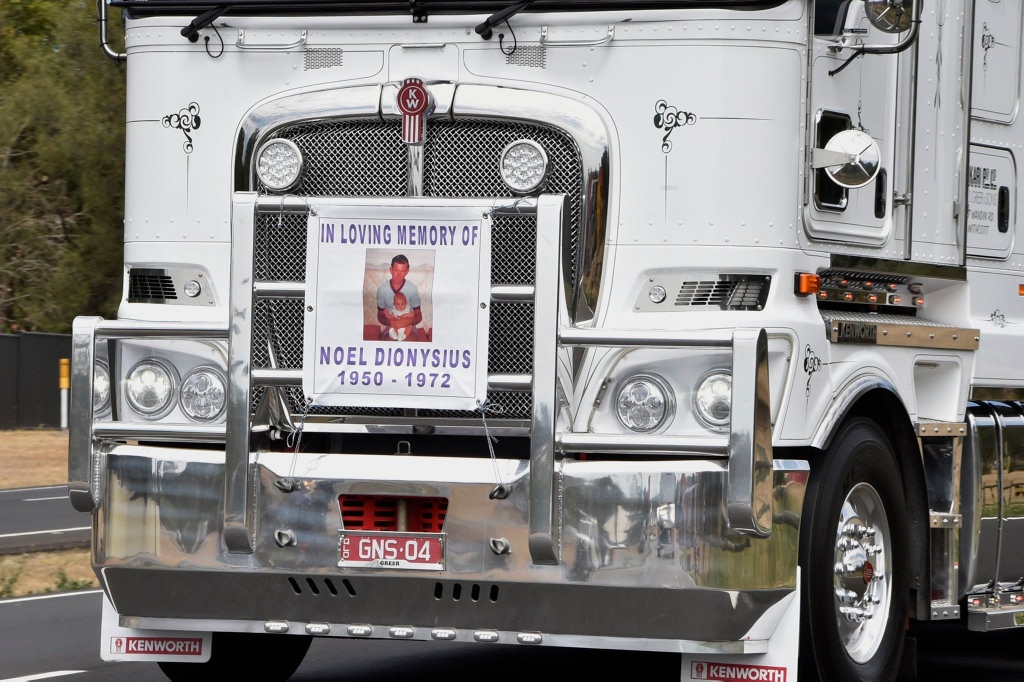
43 676
35 487
56 531
52 595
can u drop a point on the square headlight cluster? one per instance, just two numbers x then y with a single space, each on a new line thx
659 391
171 380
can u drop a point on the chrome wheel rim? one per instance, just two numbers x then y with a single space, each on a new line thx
863 563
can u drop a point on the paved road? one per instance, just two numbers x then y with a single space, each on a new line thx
40 519
57 637
60 633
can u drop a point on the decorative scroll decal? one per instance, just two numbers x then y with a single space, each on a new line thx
186 120
669 118
812 364
988 41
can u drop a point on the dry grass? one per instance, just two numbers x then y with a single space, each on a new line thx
33 458
41 572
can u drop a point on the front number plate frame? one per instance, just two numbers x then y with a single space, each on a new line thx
386 549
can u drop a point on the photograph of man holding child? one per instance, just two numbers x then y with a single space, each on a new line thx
397 295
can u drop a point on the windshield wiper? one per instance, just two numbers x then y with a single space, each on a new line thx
202 21
484 29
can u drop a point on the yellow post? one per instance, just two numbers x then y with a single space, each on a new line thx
65 384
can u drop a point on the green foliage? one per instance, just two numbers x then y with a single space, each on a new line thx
66 584
7 581
61 167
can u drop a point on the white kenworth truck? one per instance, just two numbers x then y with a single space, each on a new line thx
681 325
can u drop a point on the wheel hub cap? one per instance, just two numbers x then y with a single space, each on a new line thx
860 574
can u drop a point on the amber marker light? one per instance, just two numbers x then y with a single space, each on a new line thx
1020 289
807 283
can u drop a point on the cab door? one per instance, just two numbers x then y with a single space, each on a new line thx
863 78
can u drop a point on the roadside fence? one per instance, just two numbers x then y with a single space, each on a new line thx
33 380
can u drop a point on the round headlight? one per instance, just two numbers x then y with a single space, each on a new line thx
100 389
644 403
279 164
149 388
524 164
712 400
202 394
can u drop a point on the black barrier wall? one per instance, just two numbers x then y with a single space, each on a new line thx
30 394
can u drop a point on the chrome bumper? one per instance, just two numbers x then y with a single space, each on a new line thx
645 552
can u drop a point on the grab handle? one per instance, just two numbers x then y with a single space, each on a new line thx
545 40
241 43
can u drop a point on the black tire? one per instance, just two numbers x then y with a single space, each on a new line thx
240 656
844 634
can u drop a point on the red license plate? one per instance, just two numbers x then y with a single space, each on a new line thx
424 551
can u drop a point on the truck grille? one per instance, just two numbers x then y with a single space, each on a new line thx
367 158
385 513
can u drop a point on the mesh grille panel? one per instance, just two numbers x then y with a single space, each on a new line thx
323 58
279 249
350 158
353 158
528 55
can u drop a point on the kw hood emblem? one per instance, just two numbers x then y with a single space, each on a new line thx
415 103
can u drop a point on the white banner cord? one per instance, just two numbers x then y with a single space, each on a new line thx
294 439
500 490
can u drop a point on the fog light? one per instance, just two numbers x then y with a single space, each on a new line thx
712 400
202 394
644 403
524 165
149 388
279 164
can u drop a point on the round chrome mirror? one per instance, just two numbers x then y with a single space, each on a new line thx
863 157
890 16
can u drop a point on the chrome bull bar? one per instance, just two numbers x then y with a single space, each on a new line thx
86 434
747 448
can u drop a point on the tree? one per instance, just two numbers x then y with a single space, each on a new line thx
61 167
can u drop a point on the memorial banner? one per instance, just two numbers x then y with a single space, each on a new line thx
397 306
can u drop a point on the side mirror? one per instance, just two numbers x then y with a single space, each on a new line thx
851 158
890 16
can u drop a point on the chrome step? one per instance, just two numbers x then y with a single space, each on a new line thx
995 611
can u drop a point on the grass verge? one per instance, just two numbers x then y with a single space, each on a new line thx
43 572
29 458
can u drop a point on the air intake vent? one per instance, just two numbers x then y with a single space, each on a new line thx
323 58
385 513
150 286
533 56
730 292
